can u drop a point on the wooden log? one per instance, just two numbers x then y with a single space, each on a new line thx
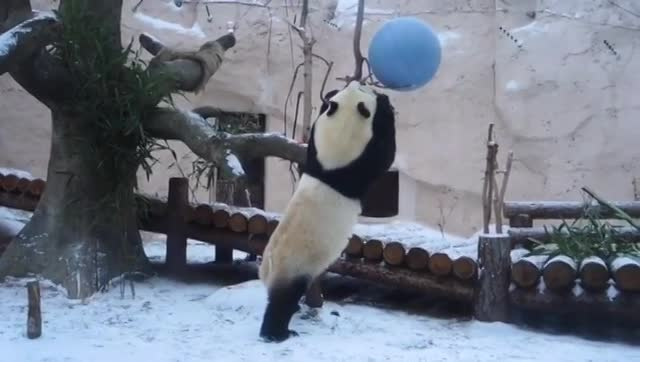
9 183
203 215
272 224
177 242
492 294
373 251
258 224
521 221
354 247
440 264
566 209
221 218
625 270
22 185
559 273
464 268
574 302
36 187
34 310
238 222
314 294
527 271
189 214
522 235
417 259
394 254
594 275
17 201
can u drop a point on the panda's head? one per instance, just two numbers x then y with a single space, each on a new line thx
353 140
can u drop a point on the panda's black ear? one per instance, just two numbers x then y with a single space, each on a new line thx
364 111
333 108
326 99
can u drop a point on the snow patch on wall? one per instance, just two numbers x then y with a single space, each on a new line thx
194 31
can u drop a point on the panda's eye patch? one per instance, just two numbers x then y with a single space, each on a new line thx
333 108
363 110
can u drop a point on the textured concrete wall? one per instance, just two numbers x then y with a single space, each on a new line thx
560 98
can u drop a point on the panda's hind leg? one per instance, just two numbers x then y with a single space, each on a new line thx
283 301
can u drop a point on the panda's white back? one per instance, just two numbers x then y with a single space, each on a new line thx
314 230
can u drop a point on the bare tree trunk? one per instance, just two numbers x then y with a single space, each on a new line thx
69 240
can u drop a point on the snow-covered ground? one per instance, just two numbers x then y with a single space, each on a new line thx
173 321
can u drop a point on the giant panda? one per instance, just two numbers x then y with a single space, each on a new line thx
352 143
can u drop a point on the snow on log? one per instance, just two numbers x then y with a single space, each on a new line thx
625 270
594 274
440 264
417 259
566 209
526 271
394 254
559 273
372 251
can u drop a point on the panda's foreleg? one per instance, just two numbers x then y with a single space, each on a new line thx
283 301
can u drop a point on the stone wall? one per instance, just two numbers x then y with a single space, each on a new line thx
566 104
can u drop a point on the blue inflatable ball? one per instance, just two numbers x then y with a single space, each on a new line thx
405 54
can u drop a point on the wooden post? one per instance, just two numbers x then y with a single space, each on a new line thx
314 295
34 310
492 294
177 203
223 255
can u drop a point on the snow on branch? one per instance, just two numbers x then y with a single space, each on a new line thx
220 148
24 39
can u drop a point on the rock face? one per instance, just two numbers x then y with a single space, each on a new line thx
560 79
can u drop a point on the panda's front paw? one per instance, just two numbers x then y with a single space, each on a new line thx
280 337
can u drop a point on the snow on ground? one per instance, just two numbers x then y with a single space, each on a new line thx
173 321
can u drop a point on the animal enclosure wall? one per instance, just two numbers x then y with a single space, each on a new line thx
561 98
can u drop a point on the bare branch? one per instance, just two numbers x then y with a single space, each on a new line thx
359 59
206 142
505 180
25 39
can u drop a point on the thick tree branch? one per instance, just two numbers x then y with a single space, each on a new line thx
190 70
25 39
13 12
218 147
